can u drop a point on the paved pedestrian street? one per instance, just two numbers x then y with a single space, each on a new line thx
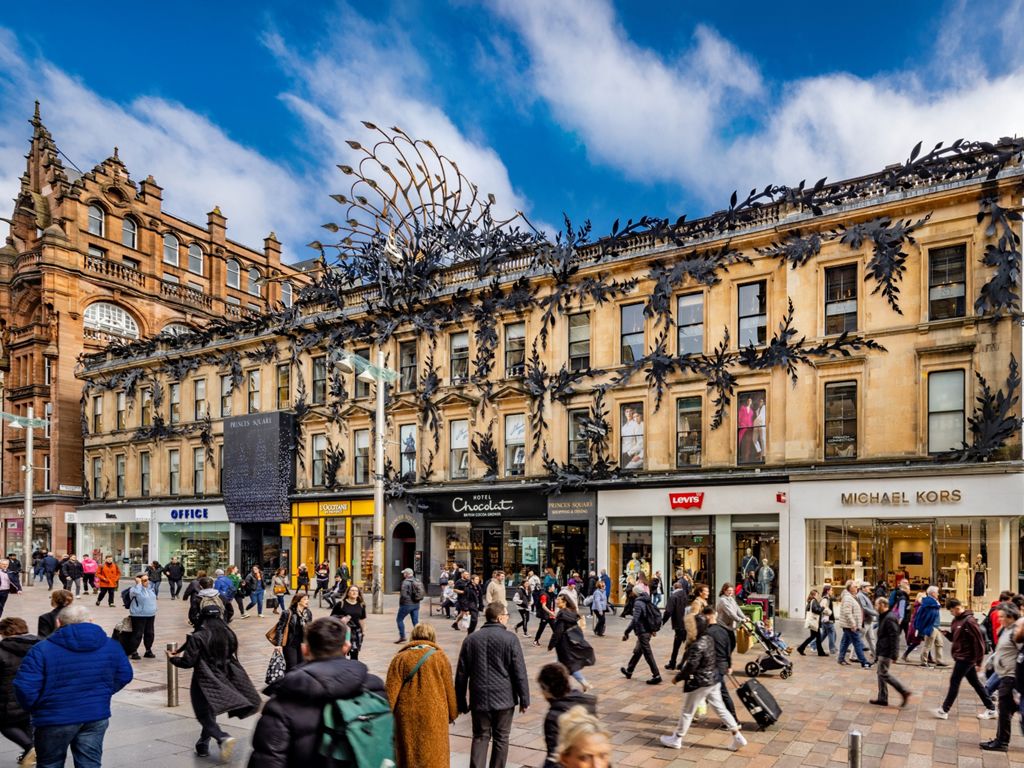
822 703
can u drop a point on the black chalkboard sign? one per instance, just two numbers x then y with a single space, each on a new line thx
259 467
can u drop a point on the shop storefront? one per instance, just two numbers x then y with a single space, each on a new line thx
486 530
404 537
336 531
572 544
961 533
198 535
705 531
121 532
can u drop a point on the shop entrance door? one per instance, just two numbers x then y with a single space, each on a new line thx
403 553
694 554
485 551
309 545
567 547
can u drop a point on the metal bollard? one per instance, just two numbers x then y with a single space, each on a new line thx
172 678
855 749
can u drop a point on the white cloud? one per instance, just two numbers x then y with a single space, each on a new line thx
193 159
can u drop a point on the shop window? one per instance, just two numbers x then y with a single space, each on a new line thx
199 471
579 341
319 457
407 366
320 380
284 386
232 274
841 420
97 221
515 350
129 233
146 409
689 432
690 321
407 439
525 548
449 543
459 343
173 472
631 346
46 473
97 414
362 453
841 299
144 473
97 479
458 464
753 317
579 447
195 259
225 395
515 444
629 552
119 464
631 436
362 550
362 388
287 294
253 390
122 411
945 411
199 399
752 428
947 282
175 398
171 250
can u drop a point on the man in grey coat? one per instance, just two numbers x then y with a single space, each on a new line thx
491 667
870 616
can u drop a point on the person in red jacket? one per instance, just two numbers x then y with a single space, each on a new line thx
108 576
968 650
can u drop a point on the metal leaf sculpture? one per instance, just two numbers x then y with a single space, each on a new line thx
888 260
797 249
720 380
993 422
1000 294
430 382
485 451
536 383
334 457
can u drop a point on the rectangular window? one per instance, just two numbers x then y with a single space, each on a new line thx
96 253
233 301
199 471
284 386
320 380
690 320
947 282
48 415
515 444
175 403
199 408
144 473
458 437
631 345
225 395
131 263
689 432
579 341
121 416
407 439
173 472
362 388
459 357
319 445
195 259
753 317
171 279
841 420
515 350
119 475
945 411
631 436
407 366
97 478
579 447
751 427
841 299
47 371
97 414
362 467
46 473
146 410
252 379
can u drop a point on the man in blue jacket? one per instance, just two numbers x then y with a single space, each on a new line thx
50 565
65 683
926 624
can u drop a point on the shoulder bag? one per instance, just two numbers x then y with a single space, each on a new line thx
272 633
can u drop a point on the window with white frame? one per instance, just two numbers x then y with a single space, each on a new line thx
97 220
199 471
225 395
121 414
254 281
48 415
110 318
175 400
458 465
144 473
199 400
362 453
195 259
233 274
945 411
97 478
459 355
253 390
319 458
171 246
174 471
515 444
407 441
579 341
119 468
319 380
97 414
515 349
46 473
690 322
129 233
287 294
146 409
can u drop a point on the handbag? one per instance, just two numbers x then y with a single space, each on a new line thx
279 589
276 668
272 634
582 623
464 623
124 626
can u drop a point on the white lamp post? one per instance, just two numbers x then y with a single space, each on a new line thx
28 424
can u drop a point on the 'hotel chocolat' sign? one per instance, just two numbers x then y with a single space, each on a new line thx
486 504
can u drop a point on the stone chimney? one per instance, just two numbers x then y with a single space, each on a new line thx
150 190
217 225
272 250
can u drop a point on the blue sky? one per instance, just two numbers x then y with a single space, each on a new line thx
599 109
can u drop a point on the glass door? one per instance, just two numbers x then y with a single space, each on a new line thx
568 547
485 551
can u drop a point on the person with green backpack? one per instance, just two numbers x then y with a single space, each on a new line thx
328 712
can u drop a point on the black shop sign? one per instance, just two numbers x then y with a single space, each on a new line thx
485 505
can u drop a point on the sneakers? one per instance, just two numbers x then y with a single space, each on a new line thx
672 742
203 748
626 672
942 714
988 714
737 742
994 746
227 748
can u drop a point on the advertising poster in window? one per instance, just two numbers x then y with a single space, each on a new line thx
752 432
631 429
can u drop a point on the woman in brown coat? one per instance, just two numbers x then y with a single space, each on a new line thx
423 701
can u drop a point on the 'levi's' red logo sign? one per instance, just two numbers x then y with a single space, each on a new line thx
686 500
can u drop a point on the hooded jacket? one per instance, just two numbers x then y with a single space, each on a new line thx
71 676
968 642
89 565
12 652
646 617
143 601
288 731
926 618
108 575
887 646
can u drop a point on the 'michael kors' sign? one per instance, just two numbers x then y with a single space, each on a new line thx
901 498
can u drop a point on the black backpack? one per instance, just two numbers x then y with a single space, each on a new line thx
126 598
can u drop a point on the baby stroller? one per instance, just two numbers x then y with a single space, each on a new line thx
773 659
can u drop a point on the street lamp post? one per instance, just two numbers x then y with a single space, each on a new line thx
28 423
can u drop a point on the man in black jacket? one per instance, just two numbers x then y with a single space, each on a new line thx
725 644
175 572
675 611
645 623
968 651
288 732
492 669
887 648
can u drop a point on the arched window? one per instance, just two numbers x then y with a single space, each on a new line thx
176 329
286 293
195 259
129 233
254 281
170 250
96 220
110 318
234 276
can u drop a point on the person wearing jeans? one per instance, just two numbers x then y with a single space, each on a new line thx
254 581
408 605
968 650
926 623
851 618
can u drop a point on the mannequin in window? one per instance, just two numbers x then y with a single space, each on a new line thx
765 577
980 582
962 580
633 566
748 565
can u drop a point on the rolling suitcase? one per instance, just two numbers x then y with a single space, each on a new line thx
759 703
